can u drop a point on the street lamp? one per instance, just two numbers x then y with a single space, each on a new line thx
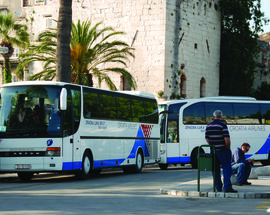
3 50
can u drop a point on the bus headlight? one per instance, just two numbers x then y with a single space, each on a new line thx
53 151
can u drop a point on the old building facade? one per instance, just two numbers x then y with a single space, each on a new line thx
177 42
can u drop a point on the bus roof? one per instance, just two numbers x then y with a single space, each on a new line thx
26 83
213 98
139 93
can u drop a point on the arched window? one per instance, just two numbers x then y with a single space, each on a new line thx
202 87
124 83
183 80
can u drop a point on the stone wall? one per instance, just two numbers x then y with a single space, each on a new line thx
163 33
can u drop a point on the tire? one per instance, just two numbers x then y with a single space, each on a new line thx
25 176
163 166
194 158
266 162
139 162
86 167
138 166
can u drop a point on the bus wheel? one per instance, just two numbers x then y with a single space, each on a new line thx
25 176
194 158
163 166
139 162
138 167
266 162
86 167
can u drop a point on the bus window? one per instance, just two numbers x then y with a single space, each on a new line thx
194 114
162 122
91 105
246 113
265 109
76 103
172 131
137 110
226 108
174 110
124 109
108 107
151 112
173 120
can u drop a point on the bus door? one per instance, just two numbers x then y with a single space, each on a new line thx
71 137
173 146
173 133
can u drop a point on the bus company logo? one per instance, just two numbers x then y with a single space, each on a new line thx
147 129
49 142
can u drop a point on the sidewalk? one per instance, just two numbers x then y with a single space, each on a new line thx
260 188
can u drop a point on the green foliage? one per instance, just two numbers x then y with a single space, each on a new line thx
263 92
92 51
7 75
11 33
239 46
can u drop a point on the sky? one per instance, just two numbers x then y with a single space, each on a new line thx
266 9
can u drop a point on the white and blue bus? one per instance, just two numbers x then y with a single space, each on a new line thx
55 127
183 124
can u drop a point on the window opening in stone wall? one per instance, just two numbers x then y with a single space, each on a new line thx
48 21
124 83
202 87
183 80
26 3
195 46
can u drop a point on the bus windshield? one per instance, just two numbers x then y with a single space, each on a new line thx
30 111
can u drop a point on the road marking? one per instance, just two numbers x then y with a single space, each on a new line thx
263 205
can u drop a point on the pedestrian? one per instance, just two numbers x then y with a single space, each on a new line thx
217 135
240 165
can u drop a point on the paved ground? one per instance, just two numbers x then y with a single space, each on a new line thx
260 188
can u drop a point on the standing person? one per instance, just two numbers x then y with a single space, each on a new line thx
217 135
241 165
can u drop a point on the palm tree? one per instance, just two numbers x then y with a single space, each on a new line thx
63 72
11 34
91 52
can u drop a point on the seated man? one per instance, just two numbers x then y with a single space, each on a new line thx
241 165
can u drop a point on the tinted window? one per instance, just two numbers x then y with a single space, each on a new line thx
137 110
226 108
246 113
124 108
151 112
108 107
174 110
194 114
265 111
91 105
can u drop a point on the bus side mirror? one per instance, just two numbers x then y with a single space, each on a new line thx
63 99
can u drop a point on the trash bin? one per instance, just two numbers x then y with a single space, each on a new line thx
206 162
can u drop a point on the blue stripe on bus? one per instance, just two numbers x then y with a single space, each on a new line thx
108 163
104 163
139 143
72 165
178 160
265 148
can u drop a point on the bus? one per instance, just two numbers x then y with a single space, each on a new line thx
61 127
183 124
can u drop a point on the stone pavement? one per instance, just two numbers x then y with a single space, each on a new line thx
260 188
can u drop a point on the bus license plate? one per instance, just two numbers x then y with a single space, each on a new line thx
23 166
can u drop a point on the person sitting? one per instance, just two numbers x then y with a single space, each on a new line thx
240 165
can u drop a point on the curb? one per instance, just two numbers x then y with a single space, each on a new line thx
239 195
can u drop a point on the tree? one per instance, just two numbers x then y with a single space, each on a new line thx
11 33
239 46
92 50
63 58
